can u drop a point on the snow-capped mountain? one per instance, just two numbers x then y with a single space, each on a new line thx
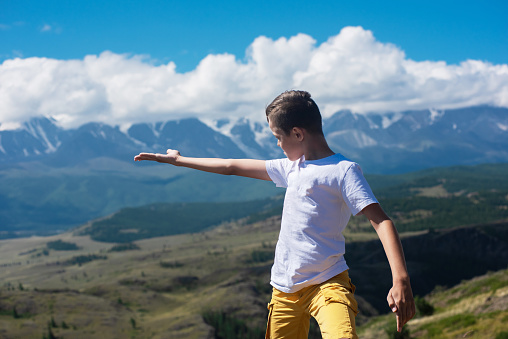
381 143
421 139
36 138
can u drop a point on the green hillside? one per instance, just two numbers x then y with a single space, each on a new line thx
446 197
432 199
36 199
476 309
157 220
455 179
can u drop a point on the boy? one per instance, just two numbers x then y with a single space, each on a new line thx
309 274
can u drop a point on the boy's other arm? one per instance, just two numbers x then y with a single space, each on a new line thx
250 168
400 297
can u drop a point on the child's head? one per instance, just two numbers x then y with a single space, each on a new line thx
295 109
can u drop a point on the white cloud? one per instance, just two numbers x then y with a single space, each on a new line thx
45 28
351 70
53 28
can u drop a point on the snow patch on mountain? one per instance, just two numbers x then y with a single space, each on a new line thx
222 126
1 147
354 137
390 118
435 115
50 148
251 137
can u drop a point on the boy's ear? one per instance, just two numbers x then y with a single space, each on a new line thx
298 133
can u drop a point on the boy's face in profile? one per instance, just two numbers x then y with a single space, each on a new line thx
291 146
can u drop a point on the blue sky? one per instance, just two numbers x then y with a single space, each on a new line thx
123 61
186 31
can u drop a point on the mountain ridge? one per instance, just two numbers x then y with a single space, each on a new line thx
381 143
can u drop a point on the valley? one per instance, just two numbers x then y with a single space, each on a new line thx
217 281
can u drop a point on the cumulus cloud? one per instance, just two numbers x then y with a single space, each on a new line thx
351 70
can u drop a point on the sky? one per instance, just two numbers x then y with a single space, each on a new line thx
122 62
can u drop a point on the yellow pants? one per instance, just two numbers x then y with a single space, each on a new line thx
331 303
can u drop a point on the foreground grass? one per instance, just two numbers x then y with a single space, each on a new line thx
477 308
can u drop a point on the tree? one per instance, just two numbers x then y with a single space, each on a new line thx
392 333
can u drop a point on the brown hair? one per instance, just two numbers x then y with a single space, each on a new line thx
295 109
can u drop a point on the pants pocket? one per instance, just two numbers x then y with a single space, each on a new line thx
336 293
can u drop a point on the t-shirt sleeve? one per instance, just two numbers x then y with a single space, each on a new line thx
277 170
356 192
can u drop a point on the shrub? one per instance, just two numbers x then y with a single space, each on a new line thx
423 307
50 333
52 323
257 256
82 259
229 327
124 247
391 332
167 264
59 245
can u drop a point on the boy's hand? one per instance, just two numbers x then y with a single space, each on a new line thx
400 299
170 157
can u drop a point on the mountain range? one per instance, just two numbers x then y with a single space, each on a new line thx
381 143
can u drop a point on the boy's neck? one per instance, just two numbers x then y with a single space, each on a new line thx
316 148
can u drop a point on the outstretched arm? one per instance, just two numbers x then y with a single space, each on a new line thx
400 297
251 168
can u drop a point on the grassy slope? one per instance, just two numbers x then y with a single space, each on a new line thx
476 308
155 220
212 270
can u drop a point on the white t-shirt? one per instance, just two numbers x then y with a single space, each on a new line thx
320 197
